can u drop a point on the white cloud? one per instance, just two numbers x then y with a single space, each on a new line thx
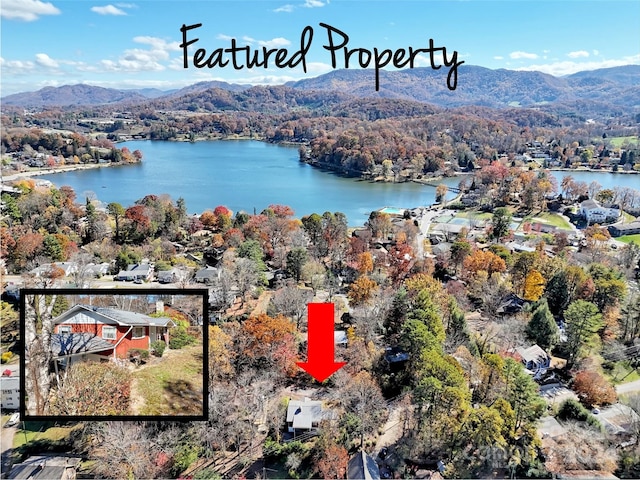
45 60
498 57
16 67
596 53
278 42
27 10
158 43
141 60
578 54
288 8
519 55
126 5
568 67
108 10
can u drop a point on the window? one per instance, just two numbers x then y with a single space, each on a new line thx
109 333
138 332
64 329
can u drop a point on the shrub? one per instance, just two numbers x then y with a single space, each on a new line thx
572 410
143 354
178 338
158 347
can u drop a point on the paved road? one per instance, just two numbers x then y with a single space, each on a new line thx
630 387
7 448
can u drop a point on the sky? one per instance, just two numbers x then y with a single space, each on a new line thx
136 43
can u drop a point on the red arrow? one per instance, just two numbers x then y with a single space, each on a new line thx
320 362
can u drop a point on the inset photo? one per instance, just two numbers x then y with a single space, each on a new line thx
116 354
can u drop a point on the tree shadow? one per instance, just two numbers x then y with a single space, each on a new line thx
184 398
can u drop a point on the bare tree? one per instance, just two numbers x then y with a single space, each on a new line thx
291 301
38 330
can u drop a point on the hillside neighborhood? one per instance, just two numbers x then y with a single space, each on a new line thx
491 333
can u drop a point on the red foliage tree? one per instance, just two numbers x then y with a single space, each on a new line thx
593 388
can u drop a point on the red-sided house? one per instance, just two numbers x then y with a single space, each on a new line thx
93 333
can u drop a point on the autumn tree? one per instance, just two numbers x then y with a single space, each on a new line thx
331 461
483 260
365 263
594 388
271 339
361 290
533 285
221 354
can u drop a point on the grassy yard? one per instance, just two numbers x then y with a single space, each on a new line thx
173 386
630 238
622 372
41 431
550 219
474 215
617 142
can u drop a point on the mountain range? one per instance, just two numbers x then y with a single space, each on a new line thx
610 88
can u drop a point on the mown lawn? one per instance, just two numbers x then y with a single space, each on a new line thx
622 372
474 215
617 142
551 219
175 385
41 431
630 238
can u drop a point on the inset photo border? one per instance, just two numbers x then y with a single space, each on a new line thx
114 354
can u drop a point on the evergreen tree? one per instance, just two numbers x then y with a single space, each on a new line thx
542 328
583 321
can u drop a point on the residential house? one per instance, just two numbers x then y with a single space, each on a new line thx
593 212
10 387
168 276
304 415
207 275
67 267
361 466
139 272
620 229
46 467
98 269
85 332
534 358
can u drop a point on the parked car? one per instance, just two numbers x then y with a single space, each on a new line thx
13 420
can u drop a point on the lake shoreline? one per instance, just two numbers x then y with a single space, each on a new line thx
62 169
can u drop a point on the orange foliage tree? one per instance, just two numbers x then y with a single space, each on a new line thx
593 388
332 461
272 338
483 260
361 290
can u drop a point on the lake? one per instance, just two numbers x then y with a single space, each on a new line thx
242 175
251 175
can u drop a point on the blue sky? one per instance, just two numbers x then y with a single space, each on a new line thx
135 44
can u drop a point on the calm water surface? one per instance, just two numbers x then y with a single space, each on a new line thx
247 175
242 175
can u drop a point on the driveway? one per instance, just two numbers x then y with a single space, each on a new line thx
631 387
7 449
